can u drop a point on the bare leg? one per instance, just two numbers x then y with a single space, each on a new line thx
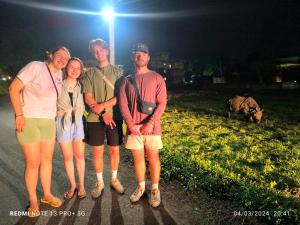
32 158
98 158
67 151
80 162
114 157
47 148
154 164
139 164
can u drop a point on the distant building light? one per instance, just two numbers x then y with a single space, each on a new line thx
9 77
288 65
4 78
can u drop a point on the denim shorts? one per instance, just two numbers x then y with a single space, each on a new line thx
71 132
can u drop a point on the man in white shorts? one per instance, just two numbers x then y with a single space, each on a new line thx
143 125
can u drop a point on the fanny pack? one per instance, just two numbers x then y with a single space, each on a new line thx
143 106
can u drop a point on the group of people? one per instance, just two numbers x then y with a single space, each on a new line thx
49 99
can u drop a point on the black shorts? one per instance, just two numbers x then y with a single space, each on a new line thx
96 132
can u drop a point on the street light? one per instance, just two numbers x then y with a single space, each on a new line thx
109 15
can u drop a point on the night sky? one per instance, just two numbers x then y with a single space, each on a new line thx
203 29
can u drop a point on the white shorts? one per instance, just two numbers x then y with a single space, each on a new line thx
135 142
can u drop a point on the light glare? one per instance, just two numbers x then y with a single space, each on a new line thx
108 14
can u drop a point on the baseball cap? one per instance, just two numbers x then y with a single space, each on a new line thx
140 47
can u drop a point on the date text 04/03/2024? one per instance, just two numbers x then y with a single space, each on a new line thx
261 213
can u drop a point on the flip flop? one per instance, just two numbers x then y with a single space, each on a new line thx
32 213
53 201
69 194
81 194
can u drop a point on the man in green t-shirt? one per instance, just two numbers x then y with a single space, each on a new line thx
104 119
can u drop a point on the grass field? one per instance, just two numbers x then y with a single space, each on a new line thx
255 164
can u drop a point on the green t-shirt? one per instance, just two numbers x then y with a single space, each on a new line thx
94 84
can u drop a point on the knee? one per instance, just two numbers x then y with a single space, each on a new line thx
32 166
114 152
79 156
139 160
68 158
154 159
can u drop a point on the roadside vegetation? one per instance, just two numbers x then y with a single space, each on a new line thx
257 165
4 87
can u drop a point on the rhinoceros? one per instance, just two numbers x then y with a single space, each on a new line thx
245 105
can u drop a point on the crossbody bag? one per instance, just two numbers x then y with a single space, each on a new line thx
144 107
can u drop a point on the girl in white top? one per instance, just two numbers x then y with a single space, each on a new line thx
33 95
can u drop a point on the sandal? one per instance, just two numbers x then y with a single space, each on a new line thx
53 201
32 213
81 194
70 194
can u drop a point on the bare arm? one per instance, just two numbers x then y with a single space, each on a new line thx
89 100
110 102
14 92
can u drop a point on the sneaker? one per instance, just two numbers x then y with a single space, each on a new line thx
116 184
137 194
97 190
155 198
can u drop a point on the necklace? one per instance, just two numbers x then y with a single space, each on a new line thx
70 88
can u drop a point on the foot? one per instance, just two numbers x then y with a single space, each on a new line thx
97 190
33 212
70 193
155 198
51 200
81 193
116 184
137 194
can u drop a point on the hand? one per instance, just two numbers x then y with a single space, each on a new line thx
135 130
147 128
108 120
97 108
20 123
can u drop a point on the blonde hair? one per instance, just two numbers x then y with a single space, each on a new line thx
53 51
100 42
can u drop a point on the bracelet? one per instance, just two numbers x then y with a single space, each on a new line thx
103 112
19 115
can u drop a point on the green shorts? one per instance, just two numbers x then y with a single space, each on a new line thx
36 130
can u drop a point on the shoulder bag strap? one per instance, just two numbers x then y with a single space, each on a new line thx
52 80
132 77
106 80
